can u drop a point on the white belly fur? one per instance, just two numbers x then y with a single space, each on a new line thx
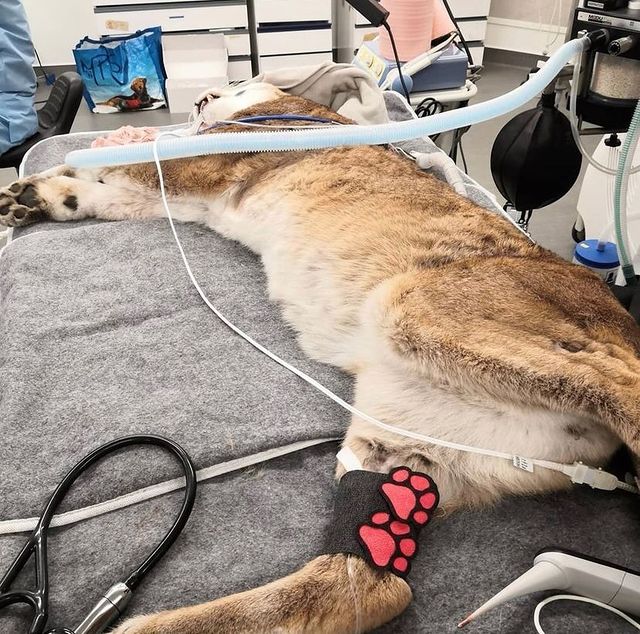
328 320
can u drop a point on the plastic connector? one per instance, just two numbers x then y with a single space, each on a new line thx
599 39
623 45
595 478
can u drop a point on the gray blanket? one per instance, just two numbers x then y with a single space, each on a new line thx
102 335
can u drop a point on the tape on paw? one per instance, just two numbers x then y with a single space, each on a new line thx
379 517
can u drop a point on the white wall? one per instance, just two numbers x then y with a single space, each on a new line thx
57 26
516 25
532 11
536 26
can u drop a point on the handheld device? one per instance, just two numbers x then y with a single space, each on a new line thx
573 573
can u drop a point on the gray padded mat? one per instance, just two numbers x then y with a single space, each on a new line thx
104 336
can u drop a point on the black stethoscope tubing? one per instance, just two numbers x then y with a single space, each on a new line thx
38 599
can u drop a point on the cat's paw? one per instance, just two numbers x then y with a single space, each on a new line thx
20 204
390 536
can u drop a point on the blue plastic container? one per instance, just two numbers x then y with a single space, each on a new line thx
603 262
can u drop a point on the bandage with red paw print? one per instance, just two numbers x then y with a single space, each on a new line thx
379 516
390 536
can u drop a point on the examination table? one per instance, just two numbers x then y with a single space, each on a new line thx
102 335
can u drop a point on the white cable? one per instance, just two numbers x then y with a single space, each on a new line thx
556 6
353 587
12 527
573 597
588 475
539 5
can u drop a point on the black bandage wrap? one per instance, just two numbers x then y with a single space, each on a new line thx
379 517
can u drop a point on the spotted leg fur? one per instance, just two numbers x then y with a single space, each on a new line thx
64 194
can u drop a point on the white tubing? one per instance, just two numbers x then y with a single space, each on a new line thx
573 597
607 234
15 526
621 197
448 167
352 135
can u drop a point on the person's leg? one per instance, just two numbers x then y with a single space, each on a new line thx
18 119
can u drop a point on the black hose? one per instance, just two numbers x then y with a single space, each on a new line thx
395 54
101 452
455 22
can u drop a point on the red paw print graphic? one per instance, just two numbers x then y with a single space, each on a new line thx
390 537
411 496
389 542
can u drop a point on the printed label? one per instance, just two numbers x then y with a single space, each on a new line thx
608 20
522 463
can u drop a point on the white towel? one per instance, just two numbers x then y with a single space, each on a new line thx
346 89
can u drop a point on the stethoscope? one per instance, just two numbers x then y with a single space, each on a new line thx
112 604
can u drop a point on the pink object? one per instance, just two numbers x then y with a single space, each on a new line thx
126 135
380 518
408 547
442 24
399 528
412 24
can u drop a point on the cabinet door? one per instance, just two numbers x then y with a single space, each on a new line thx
470 8
172 17
303 41
292 11
289 61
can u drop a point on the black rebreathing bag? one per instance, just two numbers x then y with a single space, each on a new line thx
535 160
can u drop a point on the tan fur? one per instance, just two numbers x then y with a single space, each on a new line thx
310 600
452 322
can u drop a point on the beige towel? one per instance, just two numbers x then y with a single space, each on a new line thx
348 90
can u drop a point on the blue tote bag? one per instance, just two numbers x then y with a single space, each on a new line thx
122 74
